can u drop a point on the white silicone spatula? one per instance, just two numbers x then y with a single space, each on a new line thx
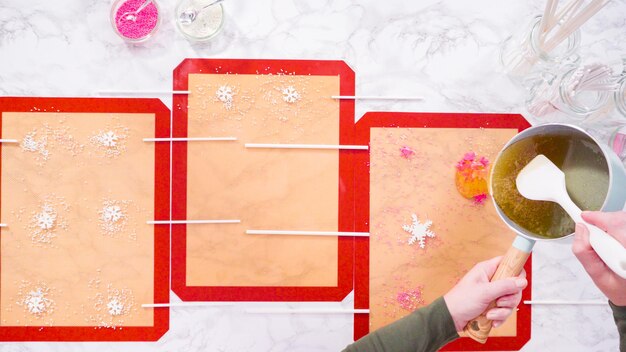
542 180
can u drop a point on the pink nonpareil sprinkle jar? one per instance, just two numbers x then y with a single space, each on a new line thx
132 25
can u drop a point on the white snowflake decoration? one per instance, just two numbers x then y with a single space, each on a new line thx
115 307
225 95
290 95
112 213
47 218
108 139
419 231
110 143
29 144
114 216
36 302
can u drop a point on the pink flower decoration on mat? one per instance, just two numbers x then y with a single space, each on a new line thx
480 198
470 162
406 152
467 161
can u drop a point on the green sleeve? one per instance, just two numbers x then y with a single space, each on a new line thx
619 314
426 329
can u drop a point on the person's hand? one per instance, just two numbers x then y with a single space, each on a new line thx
473 294
613 286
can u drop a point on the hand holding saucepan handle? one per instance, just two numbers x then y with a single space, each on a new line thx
542 180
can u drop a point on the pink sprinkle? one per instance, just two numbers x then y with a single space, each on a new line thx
469 156
410 300
142 25
476 165
406 152
469 163
480 198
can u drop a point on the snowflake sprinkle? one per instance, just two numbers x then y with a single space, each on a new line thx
290 95
108 139
36 302
419 231
114 217
225 95
115 307
29 144
112 213
110 143
46 218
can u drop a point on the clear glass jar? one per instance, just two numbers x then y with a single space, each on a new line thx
579 103
559 91
207 22
619 96
522 55
135 26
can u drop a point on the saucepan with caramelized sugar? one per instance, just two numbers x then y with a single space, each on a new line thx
594 176
595 180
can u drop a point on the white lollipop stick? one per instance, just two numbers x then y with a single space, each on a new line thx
186 304
142 92
372 97
306 233
305 146
306 311
191 139
177 222
566 303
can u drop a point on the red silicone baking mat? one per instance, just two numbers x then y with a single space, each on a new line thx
78 184
262 101
406 192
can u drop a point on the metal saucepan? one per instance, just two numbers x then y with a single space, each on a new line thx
515 258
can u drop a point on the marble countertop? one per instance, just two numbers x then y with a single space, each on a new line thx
445 51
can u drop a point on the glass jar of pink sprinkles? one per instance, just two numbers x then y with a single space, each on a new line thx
135 21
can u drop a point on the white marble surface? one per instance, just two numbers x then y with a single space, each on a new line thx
443 50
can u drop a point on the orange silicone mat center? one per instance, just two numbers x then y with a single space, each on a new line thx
77 250
267 189
404 277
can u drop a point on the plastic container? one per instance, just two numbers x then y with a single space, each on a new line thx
207 23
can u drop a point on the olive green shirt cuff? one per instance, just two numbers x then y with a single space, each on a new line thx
619 314
426 329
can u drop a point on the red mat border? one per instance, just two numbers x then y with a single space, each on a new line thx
161 208
425 120
345 189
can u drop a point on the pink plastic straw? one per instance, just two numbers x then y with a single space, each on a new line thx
618 144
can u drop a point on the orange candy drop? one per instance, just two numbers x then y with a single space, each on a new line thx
472 176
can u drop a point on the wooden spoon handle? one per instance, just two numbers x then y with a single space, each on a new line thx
510 266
